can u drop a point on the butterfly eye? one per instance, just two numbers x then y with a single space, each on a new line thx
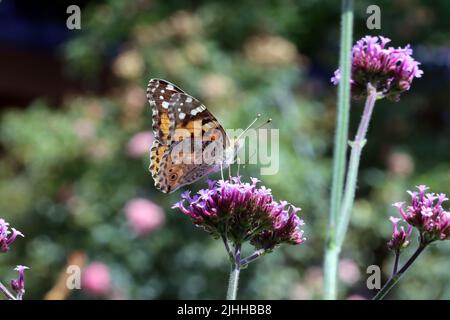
173 177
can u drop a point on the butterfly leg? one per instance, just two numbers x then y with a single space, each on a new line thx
221 171
238 160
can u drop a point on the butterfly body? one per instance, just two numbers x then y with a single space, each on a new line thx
189 142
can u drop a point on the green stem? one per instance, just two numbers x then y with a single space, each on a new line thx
227 248
397 257
234 274
340 147
397 276
353 166
255 255
6 292
330 272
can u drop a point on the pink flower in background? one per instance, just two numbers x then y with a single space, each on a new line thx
355 297
301 292
143 216
400 163
349 271
96 279
140 144
84 129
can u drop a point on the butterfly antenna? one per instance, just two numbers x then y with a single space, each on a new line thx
263 124
258 127
229 172
251 124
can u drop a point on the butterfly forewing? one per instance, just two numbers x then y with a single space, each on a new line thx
179 120
159 93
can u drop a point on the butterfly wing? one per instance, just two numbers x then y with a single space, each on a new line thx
199 144
159 93
187 133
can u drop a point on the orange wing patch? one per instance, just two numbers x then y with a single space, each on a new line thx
164 126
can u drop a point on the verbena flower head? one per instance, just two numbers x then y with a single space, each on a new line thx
425 212
243 212
390 70
399 239
6 238
18 285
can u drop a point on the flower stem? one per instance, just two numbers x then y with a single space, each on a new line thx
234 274
255 255
398 275
340 147
353 166
227 248
397 257
6 292
330 271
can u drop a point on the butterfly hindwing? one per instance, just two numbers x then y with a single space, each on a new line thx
157 153
176 175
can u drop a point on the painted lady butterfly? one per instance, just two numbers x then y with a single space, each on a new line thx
185 133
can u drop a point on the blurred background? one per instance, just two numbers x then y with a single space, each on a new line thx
75 138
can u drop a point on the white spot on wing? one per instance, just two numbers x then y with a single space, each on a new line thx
161 97
169 87
165 105
188 99
182 115
198 110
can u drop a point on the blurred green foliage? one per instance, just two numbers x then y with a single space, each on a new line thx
65 174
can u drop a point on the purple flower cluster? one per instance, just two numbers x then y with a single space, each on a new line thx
390 70
243 212
6 238
427 214
399 239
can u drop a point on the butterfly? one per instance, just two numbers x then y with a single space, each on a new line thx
189 143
